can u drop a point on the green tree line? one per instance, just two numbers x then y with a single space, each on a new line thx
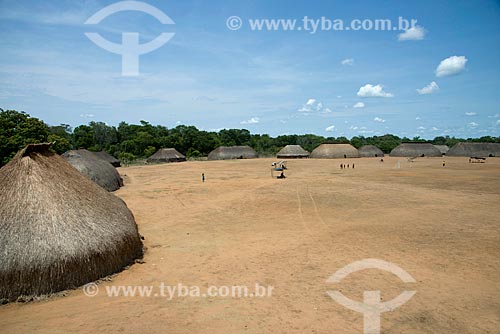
136 141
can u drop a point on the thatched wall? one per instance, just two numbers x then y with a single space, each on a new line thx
98 170
292 152
58 229
166 155
232 152
370 151
415 150
442 148
475 150
109 158
334 151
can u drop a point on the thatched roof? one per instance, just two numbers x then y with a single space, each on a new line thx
232 152
166 155
475 150
415 150
108 157
368 151
58 229
98 170
292 151
442 148
333 151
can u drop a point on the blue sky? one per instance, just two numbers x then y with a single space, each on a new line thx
275 82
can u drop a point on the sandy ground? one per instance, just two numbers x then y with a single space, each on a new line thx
241 227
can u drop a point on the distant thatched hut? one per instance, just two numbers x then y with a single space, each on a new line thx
58 229
442 148
232 152
166 155
292 152
415 150
108 157
475 150
334 151
370 151
98 170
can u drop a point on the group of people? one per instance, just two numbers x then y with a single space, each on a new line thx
344 166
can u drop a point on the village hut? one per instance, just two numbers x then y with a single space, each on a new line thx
292 152
442 148
166 155
109 158
475 150
58 229
369 151
415 150
232 152
334 151
98 170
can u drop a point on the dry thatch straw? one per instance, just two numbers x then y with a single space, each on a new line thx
369 151
334 151
166 155
232 152
475 150
58 229
108 157
442 148
292 152
415 150
98 170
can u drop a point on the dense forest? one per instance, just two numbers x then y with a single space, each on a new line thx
135 141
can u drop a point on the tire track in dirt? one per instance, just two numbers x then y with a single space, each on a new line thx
314 230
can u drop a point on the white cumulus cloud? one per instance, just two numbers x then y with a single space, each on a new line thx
429 89
451 66
330 128
470 114
473 124
373 91
347 62
313 106
413 34
253 120
379 120
359 105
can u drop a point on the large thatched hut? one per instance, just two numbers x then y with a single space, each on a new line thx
109 158
442 148
166 155
415 150
292 152
98 170
232 152
370 151
475 150
58 229
334 151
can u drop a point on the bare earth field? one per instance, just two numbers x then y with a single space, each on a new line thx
241 227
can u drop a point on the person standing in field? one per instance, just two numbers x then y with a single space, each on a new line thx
202 177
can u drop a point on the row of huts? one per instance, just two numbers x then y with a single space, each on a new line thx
333 151
84 232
